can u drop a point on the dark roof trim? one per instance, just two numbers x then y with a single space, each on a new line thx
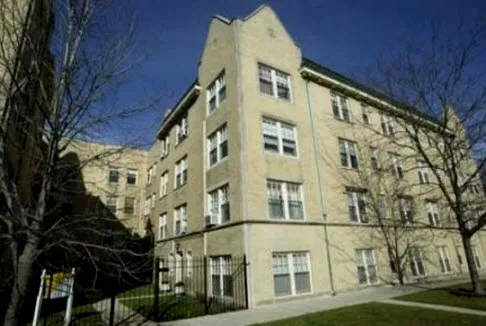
186 99
365 89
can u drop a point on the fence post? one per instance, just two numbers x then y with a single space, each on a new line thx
206 285
112 310
156 289
246 280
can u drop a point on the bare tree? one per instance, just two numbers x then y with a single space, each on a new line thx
56 81
381 198
439 86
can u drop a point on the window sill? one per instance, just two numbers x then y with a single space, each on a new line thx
208 113
162 197
275 97
293 157
290 296
179 186
345 121
287 219
349 169
217 163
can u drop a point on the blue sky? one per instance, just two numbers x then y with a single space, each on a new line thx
345 35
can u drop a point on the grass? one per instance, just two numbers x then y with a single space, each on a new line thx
174 307
448 296
144 290
381 315
82 315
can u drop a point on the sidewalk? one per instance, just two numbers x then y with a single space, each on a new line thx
294 308
435 306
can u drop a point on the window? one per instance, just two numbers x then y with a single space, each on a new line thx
132 176
162 226
189 263
218 205
366 264
357 205
149 175
349 154
111 204
165 145
164 182
180 175
387 126
146 207
113 175
406 210
395 163
474 188
459 255
423 172
279 137
216 92
274 82
291 273
152 200
477 259
181 129
415 259
129 205
180 220
218 145
221 276
433 213
375 160
444 260
365 113
340 107
285 200
382 206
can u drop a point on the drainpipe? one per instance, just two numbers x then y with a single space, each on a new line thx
321 187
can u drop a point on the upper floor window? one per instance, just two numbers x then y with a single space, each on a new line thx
218 206
150 174
216 92
348 151
406 210
132 176
218 145
357 205
285 200
374 158
340 107
162 226
180 220
164 181
433 213
111 204
180 172
387 125
146 206
113 175
274 82
396 166
382 206
279 137
165 145
423 172
365 113
129 205
181 129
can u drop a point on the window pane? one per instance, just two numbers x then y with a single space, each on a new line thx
223 149
270 143
302 282
372 273
289 147
228 285
361 275
216 281
281 284
295 210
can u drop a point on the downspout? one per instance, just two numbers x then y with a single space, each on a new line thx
321 187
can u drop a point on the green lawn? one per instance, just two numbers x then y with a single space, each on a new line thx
82 315
174 307
137 292
445 296
381 314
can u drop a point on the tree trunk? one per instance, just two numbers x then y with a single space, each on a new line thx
471 264
20 286
399 271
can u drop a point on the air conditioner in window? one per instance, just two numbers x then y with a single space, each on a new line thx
210 221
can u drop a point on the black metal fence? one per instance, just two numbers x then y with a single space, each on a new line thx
180 287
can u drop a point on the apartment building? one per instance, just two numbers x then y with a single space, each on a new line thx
263 156
114 176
